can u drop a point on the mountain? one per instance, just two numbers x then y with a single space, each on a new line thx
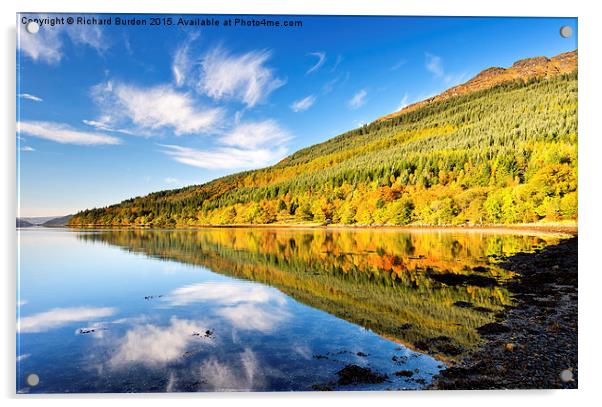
498 149
37 220
22 223
523 70
58 222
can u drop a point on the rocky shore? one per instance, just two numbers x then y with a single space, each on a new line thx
533 345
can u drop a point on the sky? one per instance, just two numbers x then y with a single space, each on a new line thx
109 112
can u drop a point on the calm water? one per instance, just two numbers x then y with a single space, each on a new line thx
252 309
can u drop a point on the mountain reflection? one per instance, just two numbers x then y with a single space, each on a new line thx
428 290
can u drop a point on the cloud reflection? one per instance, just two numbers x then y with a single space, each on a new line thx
245 306
245 376
223 293
252 317
154 345
57 317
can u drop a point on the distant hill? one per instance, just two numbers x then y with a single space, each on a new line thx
22 223
37 220
58 222
523 70
498 149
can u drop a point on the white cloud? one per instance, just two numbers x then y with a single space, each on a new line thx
398 65
340 79
255 134
58 317
104 123
154 345
23 357
27 149
182 64
225 158
303 104
47 45
64 134
358 100
404 102
151 109
434 65
321 59
90 35
336 63
170 180
29 96
248 145
243 77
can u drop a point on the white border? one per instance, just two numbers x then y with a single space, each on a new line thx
590 139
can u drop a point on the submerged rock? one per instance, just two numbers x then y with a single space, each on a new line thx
404 373
354 374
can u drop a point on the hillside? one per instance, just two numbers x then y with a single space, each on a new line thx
22 223
57 222
523 70
499 149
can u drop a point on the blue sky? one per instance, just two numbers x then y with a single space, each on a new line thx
106 113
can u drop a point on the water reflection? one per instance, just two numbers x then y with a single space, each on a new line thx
58 317
155 346
428 290
252 309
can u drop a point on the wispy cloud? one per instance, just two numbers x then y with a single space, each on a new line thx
182 63
434 64
47 45
27 149
89 35
173 181
224 158
303 104
152 109
321 55
248 145
337 62
358 99
398 65
58 317
244 77
29 96
64 134
404 102
330 85
256 134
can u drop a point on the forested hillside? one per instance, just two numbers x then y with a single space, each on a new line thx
505 154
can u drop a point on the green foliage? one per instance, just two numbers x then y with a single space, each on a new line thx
504 155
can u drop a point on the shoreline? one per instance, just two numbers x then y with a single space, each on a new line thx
534 342
570 229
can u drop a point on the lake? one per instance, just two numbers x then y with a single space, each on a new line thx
254 309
